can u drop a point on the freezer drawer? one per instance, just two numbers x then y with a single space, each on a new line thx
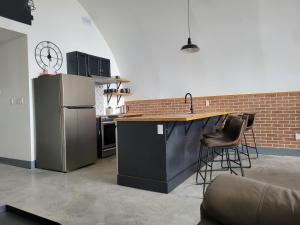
77 91
81 140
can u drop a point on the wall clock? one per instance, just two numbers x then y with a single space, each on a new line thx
48 57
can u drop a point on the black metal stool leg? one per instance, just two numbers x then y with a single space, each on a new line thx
199 162
242 144
211 164
222 160
205 172
216 153
248 146
247 153
228 160
240 161
254 139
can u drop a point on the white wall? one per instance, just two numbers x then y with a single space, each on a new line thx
246 46
14 118
64 23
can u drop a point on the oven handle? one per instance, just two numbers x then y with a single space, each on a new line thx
108 122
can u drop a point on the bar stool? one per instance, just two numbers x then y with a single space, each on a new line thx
220 133
230 140
250 124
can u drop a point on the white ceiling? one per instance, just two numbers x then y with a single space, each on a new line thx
244 45
6 35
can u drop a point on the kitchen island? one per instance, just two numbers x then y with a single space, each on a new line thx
159 152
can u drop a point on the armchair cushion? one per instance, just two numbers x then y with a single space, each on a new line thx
233 200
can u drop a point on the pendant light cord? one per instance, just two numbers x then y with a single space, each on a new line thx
189 25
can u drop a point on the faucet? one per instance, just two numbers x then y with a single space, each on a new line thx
191 97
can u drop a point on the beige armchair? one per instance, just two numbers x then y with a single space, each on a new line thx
234 200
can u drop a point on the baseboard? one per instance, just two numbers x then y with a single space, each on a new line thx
278 152
18 163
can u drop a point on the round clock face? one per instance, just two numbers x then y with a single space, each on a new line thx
48 56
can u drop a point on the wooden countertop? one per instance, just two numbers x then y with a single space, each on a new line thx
171 117
122 115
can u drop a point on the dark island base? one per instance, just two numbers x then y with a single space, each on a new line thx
159 161
155 185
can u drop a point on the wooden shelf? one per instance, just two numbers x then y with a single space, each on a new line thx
121 80
109 80
112 80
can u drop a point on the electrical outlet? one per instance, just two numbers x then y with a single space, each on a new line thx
297 137
207 103
160 129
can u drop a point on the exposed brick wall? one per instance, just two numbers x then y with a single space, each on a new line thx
277 114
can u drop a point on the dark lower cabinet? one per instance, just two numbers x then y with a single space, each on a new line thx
82 64
159 162
17 10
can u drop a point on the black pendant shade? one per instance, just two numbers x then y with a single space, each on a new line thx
189 47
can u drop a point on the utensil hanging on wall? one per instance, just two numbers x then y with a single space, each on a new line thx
31 5
189 47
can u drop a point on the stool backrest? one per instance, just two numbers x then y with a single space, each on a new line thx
236 128
227 122
251 118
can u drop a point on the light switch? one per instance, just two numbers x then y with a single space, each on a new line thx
207 103
160 129
12 101
20 101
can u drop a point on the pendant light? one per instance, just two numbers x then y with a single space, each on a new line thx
189 47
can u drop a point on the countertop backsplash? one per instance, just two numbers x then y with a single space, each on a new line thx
99 100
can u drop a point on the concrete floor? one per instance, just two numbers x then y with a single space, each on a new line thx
90 195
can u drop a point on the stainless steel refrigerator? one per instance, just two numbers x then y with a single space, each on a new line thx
65 119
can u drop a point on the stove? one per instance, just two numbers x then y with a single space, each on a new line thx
106 136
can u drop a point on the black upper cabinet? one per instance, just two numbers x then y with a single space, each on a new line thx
79 63
104 67
82 64
93 65
17 10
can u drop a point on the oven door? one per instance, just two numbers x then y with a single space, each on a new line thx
108 131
